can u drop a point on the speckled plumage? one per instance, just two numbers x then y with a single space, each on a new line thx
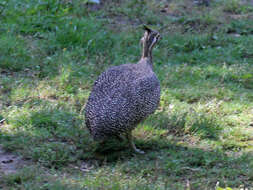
123 96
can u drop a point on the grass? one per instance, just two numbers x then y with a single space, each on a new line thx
199 138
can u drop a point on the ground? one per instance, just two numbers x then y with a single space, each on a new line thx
201 136
9 163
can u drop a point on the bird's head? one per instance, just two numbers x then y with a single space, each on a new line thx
149 39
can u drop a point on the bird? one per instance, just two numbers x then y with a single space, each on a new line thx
124 95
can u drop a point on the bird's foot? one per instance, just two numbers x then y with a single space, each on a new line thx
132 145
138 151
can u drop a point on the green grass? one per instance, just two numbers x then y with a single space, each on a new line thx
200 137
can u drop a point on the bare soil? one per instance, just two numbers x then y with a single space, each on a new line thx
9 162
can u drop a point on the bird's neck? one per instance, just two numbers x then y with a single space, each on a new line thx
146 55
146 61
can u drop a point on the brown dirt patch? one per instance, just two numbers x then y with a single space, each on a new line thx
9 162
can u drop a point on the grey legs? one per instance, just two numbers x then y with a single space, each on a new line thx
131 143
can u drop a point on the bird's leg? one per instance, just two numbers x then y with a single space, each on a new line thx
101 142
131 143
119 137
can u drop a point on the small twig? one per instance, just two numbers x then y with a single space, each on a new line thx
82 109
192 169
188 186
1 121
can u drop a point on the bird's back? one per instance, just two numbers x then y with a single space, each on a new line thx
121 97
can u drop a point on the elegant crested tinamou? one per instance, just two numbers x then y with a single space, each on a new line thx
124 95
